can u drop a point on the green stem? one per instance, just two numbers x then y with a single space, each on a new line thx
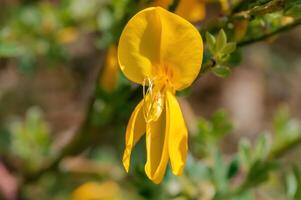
222 22
208 65
282 150
269 7
244 3
268 35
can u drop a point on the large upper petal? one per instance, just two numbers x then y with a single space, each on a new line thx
181 49
177 134
139 45
158 42
157 149
134 131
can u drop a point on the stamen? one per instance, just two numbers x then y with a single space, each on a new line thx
153 101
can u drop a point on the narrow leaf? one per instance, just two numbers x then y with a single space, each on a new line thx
221 71
221 40
228 48
210 42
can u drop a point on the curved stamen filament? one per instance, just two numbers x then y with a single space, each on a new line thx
153 100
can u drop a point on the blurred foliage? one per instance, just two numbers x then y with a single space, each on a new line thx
37 34
30 140
221 50
211 132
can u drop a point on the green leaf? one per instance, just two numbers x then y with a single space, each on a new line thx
221 40
243 196
228 48
221 71
219 172
210 42
245 152
262 147
31 139
259 172
8 50
221 124
5 140
287 130
291 184
185 92
197 170
233 168
235 57
210 132
297 175
105 19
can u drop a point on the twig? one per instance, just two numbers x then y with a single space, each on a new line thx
211 62
267 35
206 67
83 136
243 3
269 7
222 22
279 152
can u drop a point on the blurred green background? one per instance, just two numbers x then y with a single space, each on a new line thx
64 105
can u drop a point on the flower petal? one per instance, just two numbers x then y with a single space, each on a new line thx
181 49
134 131
157 149
139 45
177 134
109 76
157 42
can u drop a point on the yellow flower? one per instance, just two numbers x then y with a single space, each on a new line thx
192 10
109 77
163 51
240 29
225 5
93 190
67 35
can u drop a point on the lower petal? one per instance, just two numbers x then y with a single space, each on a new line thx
157 149
134 131
177 134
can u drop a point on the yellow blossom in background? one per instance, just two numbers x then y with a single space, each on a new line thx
192 10
97 191
163 51
67 35
240 29
286 20
109 76
225 6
